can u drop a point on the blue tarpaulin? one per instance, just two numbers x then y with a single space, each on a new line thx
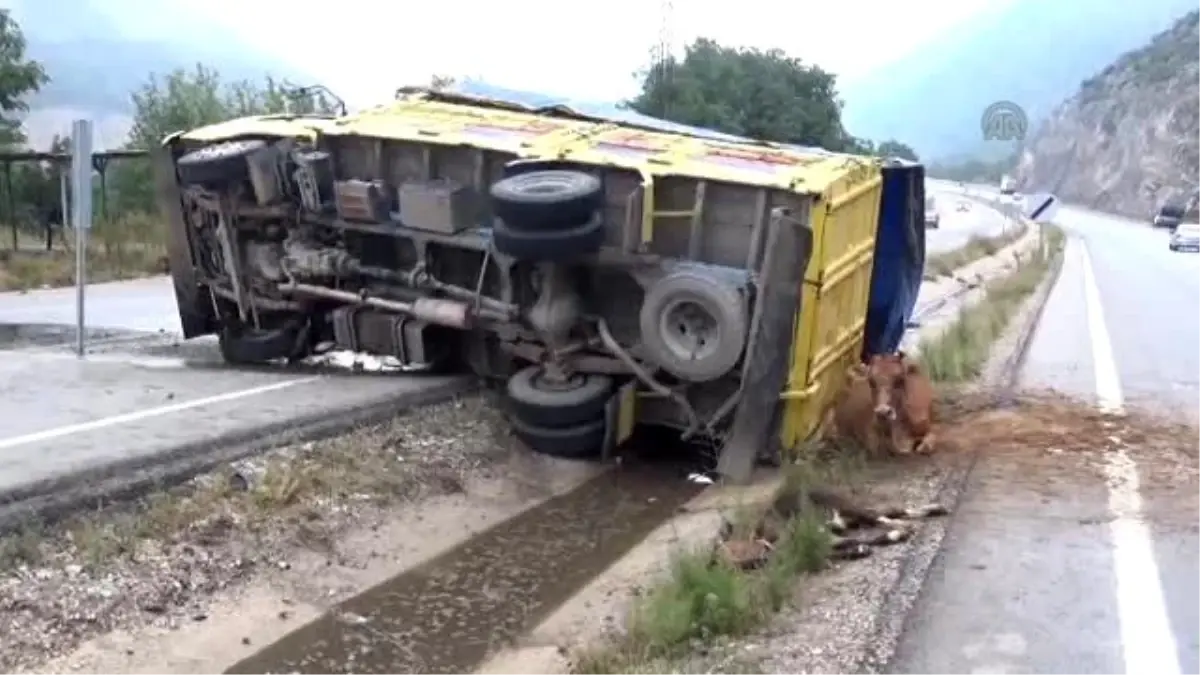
899 258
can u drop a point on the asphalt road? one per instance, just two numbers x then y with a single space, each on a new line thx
140 392
957 227
1070 564
145 305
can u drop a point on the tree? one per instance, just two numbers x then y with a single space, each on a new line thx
766 95
441 82
19 77
894 148
186 99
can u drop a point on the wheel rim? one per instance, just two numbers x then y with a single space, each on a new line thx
545 184
541 382
689 331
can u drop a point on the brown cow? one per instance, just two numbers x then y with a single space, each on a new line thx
902 398
885 406
852 416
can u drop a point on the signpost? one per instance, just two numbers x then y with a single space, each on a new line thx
81 216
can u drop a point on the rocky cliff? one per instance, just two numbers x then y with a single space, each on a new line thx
1129 139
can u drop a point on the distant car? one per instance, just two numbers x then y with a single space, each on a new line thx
933 219
1186 237
963 207
1169 215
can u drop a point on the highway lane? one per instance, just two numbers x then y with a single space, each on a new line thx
139 393
958 227
137 400
1083 562
146 305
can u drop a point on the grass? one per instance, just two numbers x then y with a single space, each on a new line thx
704 600
976 248
128 247
959 354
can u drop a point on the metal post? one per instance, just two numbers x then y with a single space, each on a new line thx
81 179
9 204
64 212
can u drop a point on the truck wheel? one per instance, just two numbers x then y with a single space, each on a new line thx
562 245
582 441
538 401
217 165
244 345
693 326
547 200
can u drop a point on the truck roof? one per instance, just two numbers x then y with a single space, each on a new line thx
427 116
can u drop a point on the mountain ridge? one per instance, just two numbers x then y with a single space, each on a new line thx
1033 53
1128 140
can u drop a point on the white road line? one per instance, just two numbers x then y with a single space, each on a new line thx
1146 638
82 427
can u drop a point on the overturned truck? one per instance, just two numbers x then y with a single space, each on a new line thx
609 274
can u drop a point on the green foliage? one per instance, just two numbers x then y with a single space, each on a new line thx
894 148
19 77
765 95
186 99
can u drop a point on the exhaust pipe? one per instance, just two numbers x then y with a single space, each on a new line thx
450 313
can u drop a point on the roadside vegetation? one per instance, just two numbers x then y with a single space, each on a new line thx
976 248
127 247
704 599
959 354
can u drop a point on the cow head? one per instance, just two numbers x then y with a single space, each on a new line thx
888 374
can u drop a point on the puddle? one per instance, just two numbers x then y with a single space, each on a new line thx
449 614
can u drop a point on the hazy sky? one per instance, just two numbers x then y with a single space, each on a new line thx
587 50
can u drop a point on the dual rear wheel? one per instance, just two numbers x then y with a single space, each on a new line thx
560 416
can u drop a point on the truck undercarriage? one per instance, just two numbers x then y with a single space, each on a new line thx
531 271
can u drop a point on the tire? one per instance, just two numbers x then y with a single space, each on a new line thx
547 200
714 303
563 245
557 408
243 346
218 165
583 441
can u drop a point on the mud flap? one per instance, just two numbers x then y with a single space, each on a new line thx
756 420
621 413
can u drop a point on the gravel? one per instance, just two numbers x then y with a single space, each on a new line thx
157 562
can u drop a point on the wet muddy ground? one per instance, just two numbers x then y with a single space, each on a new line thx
450 613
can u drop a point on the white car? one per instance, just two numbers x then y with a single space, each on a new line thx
1186 237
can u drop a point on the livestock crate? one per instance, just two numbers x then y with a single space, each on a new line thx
837 285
